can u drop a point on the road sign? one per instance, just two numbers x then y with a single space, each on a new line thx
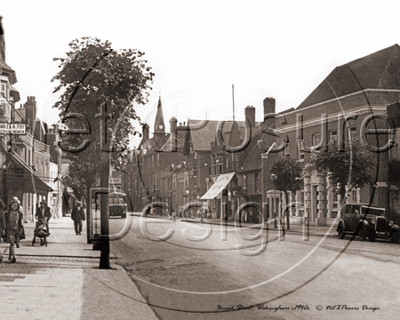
12 128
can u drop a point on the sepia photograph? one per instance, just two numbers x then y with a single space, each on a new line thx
195 160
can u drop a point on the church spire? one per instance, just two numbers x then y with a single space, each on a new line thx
2 43
159 127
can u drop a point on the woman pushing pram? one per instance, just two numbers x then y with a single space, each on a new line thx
42 231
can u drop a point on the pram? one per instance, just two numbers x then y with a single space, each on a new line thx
41 231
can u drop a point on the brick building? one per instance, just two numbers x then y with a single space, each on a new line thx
182 167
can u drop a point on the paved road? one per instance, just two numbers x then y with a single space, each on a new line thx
286 279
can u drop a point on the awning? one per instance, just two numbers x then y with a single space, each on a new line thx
218 186
20 175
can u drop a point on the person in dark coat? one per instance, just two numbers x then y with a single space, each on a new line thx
13 220
43 213
78 215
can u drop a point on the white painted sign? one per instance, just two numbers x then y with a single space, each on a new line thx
12 128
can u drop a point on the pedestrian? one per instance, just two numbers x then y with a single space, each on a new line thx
13 219
43 213
20 207
78 215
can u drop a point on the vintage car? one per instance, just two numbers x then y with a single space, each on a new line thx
367 222
117 204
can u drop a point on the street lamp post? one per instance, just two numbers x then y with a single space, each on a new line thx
273 178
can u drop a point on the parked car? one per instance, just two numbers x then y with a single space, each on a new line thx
117 204
367 222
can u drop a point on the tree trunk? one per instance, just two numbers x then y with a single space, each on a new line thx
104 221
88 215
287 211
342 193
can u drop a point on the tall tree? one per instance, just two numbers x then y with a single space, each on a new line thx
351 167
289 177
98 88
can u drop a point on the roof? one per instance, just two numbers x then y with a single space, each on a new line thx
155 143
159 126
173 143
203 132
9 71
379 70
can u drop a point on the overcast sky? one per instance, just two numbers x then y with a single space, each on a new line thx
198 49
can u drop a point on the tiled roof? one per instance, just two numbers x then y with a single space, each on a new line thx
173 143
155 143
252 154
379 70
203 132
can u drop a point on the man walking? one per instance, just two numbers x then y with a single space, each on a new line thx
78 216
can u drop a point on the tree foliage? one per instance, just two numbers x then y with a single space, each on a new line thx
92 73
351 166
289 174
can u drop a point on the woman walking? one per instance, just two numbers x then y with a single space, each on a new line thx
13 218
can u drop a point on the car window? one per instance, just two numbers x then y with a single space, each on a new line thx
348 209
355 209
374 211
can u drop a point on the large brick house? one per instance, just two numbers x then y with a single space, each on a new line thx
348 103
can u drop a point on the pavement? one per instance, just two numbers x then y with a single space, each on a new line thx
63 280
311 229
295 227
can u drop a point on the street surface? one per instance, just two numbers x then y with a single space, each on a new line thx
291 278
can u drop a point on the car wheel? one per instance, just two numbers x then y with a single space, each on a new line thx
340 231
361 234
395 237
372 237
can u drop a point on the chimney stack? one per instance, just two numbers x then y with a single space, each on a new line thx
30 113
250 115
145 130
172 125
269 107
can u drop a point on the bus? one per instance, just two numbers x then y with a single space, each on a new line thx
117 204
